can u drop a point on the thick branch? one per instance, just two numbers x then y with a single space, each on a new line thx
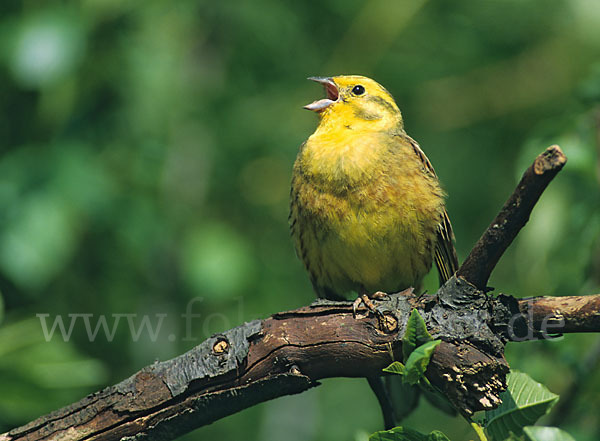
484 256
285 354
289 352
562 314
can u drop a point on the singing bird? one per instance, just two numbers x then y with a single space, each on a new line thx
367 211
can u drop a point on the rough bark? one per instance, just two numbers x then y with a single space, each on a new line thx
513 216
564 314
290 351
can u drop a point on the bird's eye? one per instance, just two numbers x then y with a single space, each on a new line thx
358 90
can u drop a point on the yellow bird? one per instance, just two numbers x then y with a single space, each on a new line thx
367 211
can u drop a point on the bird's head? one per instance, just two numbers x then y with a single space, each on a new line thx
356 102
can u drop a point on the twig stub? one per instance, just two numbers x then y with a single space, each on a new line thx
552 158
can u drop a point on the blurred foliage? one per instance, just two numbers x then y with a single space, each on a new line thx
145 158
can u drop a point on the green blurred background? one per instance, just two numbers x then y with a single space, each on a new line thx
146 151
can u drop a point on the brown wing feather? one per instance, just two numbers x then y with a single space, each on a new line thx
445 256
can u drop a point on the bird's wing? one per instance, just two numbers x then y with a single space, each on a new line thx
445 256
445 253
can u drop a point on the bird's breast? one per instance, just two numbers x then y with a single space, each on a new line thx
369 236
367 213
342 160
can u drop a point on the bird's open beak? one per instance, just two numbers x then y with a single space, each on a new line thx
331 90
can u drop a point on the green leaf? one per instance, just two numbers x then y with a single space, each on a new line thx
417 362
416 334
523 403
436 435
406 434
405 396
395 368
539 433
398 434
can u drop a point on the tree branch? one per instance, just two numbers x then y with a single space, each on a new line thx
290 351
284 354
566 314
513 216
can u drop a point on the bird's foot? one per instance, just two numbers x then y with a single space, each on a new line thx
379 295
367 301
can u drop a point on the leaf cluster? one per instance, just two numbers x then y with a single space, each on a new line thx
523 403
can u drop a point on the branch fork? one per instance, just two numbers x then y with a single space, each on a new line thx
291 351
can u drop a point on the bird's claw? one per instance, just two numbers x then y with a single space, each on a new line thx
365 299
409 292
379 295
